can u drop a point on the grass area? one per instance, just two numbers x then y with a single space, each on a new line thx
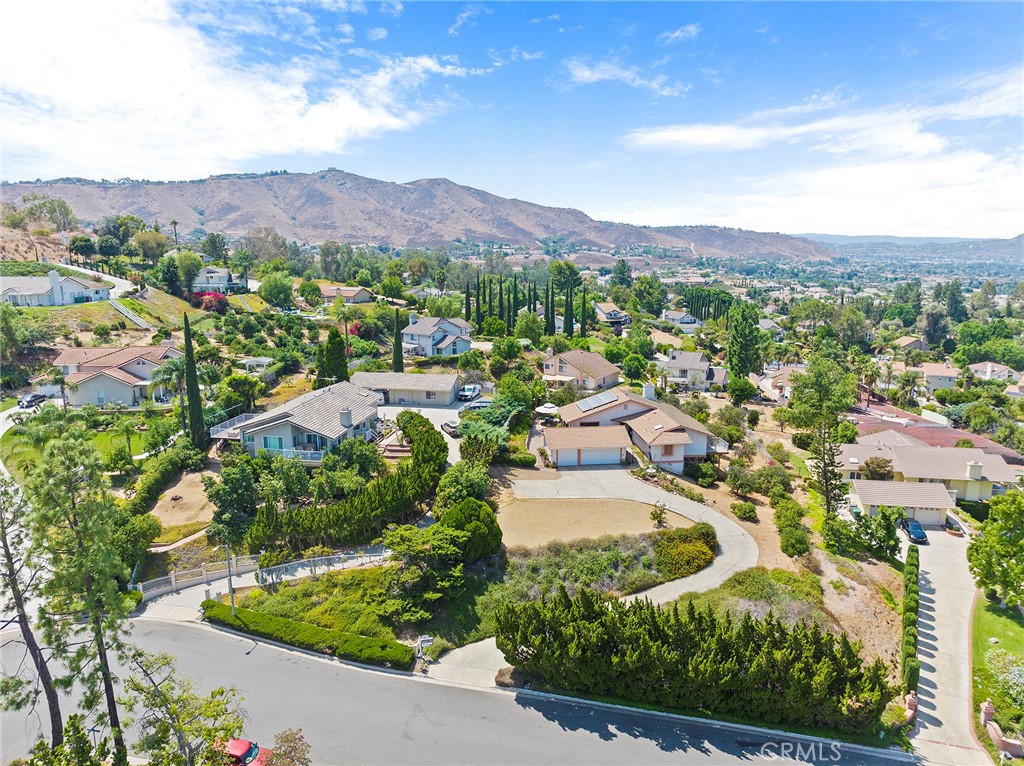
256 303
518 435
815 511
170 535
8 403
793 597
799 463
1007 625
166 309
99 312
288 389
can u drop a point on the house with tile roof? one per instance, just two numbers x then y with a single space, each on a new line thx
311 425
52 290
994 371
611 314
104 376
436 336
927 503
684 320
910 343
587 370
668 437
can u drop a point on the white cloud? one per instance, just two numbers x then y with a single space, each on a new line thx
583 71
540 19
347 32
682 34
189 110
392 9
513 56
464 18
376 33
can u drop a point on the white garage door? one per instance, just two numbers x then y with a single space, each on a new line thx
607 456
928 516
565 458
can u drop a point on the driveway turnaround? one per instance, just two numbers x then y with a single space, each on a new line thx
944 712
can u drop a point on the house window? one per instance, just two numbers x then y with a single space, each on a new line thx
855 475
561 368
273 442
249 438
431 394
667 450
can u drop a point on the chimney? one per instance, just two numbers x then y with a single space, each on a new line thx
988 371
549 352
345 417
55 291
974 470
649 391
412 317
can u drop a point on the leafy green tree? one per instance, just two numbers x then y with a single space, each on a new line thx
529 326
877 469
108 246
740 390
739 479
879 532
622 274
397 361
167 276
152 244
649 294
466 478
493 327
172 374
75 749
634 367
21 585
72 528
276 289
52 210
824 389
82 245
179 726
994 553
196 424
742 353
392 287
331 365
215 247
189 265
429 568
564 275
290 749
478 520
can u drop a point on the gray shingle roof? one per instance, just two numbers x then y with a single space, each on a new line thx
406 381
319 411
908 494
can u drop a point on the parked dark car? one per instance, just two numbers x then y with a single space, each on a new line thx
31 400
914 531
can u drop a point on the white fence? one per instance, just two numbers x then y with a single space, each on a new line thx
221 430
295 569
205 574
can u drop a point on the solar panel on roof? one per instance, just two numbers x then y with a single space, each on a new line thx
597 400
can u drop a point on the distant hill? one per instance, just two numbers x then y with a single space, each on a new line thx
348 208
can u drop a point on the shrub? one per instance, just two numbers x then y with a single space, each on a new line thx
517 459
478 519
345 646
788 514
437 648
703 473
778 452
911 673
462 480
744 510
803 440
683 552
317 552
794 541
275 558
159 473
770 477
132 599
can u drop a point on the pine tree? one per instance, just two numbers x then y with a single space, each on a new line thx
332 366
397 361
490 295
742 350
196 424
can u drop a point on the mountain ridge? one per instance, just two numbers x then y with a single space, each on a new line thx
335 204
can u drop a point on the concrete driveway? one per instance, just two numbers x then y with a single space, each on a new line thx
436 415
121 286
944 734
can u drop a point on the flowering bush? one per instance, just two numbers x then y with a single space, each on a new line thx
209 302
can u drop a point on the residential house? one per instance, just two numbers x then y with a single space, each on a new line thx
589 371
51 290
891 438
611 314
910 343
771 327
559 319
668 437
994 371
777 384
937 376
104 376
684 320
213 279
436 336
969 473
1015 390
311 425
409 388
256 363
689 369
346 293
928 503
602 445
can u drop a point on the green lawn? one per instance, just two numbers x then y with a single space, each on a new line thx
170 535
8 403
1007 625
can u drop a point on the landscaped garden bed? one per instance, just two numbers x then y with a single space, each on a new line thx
998 668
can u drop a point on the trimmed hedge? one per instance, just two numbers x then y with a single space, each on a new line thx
909 664
159 473
685 551
382 652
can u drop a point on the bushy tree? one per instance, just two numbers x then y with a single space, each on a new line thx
332 365
740 390
742 352
650 294
478 520
276 289
877 469
994 554
462 480
634 367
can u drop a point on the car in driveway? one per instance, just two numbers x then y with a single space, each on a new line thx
31 400
469 393
451 427
242 752
479 404
914 531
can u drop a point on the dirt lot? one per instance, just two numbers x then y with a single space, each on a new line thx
191 504
535 522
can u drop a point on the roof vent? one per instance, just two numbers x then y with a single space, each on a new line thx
658 427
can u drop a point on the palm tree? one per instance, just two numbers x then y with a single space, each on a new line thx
440 279
126 427
56 378
174 225
906 387
342 313
870 375
243 261
888 367
209 375
172 375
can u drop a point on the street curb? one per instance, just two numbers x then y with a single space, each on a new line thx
772 734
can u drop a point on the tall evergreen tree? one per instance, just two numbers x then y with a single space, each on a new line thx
332 366
742 353
515 302
570 320
397 360
501 301
479 309
490 295
468 314
583 312
196 424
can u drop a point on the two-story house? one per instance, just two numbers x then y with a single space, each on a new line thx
689 369
910 343
610 314
310 425
107 376
587 370
213 279
994 371
436 336
684 320
937 376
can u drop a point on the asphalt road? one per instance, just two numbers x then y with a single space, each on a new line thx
356 716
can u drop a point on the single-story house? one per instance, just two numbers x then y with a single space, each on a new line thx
314 423
347 294
111 376
1015 390
910 343
970 474
51 290
604 445
771 327
409 388
436 336
589 371
927 503
256 363
684 320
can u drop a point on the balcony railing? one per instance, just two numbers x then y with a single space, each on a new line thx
307 456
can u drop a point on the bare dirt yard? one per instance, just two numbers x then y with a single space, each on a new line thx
183 504
531 523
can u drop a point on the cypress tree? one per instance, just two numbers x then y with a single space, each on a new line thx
196 425
332 366
397 361
570 320
583 312
515 301
479 311
501 301
490 296
469 309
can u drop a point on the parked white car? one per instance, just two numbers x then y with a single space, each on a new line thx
469 393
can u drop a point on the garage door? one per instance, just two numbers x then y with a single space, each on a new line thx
565 458
928 516
607 456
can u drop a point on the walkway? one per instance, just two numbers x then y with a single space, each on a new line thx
130 315
120 286
477 664
944 734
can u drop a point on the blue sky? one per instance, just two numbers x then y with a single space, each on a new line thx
852 118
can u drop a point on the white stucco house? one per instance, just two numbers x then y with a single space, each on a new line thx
103 376
51 290
409 388
684 320
212 279
436 336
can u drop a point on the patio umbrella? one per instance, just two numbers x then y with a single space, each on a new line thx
547 409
